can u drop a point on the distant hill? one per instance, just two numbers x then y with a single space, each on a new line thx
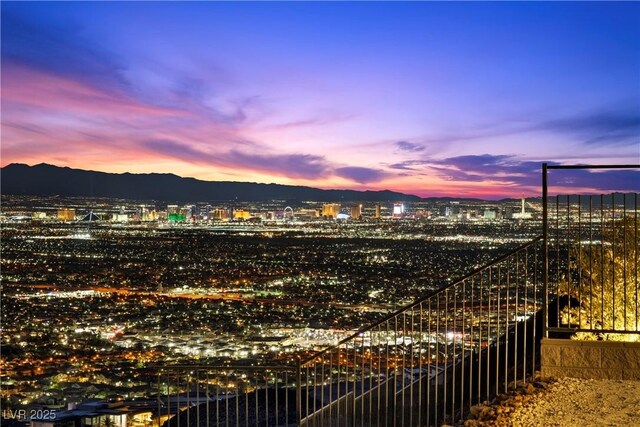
46 180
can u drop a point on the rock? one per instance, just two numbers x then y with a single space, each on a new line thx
476 410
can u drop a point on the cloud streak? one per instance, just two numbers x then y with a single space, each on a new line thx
409 146
361 175
511 171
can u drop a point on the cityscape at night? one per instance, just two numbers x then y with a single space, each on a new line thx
316 213
128 290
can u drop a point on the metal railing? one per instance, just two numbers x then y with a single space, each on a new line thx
591 279
218 396
423 365
430 361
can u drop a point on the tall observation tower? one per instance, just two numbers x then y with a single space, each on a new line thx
522 214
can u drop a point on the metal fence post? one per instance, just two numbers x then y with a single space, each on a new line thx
545 267
299 393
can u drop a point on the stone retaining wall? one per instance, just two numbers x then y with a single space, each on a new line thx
590 359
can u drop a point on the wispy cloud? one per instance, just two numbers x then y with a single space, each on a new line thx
409 146
602 127
509 170
61 50
291 165
305 166
361 175
613 125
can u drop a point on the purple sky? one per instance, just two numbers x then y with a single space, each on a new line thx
459 99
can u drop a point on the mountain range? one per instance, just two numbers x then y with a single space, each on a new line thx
46 180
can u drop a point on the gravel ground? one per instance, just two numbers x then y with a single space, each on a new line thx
563 402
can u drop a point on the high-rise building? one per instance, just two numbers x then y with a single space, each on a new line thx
241 214
330 210
398 210
490 214
378 209
120 217
522 214
66 214
356 211
218 214
149 215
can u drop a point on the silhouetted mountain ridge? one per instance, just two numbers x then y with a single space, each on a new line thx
45 180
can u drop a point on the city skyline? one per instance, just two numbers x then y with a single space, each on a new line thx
432 99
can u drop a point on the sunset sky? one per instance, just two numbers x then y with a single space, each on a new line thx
433 99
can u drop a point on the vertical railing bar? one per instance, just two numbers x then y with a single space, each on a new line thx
379 386
558 265
497 333
286 398
349 407
403 347
446 353
226 400
624 258
545 241
198 397
314 386
208 400
579 261
412 367
362 380
386 395
346 384
635 252
218 401
188 397
158 375
489 314
591 325
453 358
536 299
462 351
331 385
257 400
602 321
168 396
420 366
178 399
395 371
428 415
355 379
324 379
266 400
237 401
481 317
568 260
277 403
472 349
506 327
515 320
613 257
437 388
307 394
246 403
525 316
370 375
